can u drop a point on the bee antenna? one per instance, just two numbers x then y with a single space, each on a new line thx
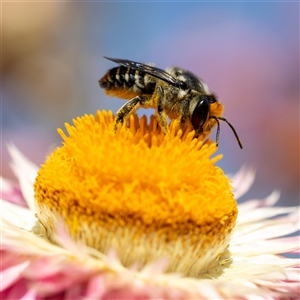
218 130
232 128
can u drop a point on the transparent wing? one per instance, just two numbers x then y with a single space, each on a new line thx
153 71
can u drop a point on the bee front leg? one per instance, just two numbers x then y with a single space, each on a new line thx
126 110
161 114
182 109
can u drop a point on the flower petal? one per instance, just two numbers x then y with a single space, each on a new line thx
33 268
20 291
249 205
25 171
242 181
21 216
262 213
267 229
264 247
22 241
11 269
11 192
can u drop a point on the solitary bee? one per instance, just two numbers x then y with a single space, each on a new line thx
175 93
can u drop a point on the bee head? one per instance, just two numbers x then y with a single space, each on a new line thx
207 113
201 110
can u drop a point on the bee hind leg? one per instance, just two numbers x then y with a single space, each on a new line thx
126 110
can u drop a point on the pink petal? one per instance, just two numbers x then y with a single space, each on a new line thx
12 274
96 287
68 277
12 267
19 291
75 292
297 251
45 267
11 192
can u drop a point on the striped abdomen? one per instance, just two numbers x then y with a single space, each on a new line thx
127 83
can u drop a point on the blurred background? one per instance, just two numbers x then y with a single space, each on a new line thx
247 53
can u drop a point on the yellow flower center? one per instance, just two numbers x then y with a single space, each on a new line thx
138 191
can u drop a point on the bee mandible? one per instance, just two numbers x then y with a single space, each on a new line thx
175 93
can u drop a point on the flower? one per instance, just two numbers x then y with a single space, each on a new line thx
141 216
141 192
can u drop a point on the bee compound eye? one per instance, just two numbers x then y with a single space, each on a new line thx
200 113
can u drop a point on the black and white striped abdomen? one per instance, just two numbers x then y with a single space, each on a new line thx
125 80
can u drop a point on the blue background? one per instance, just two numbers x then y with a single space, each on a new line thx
247 53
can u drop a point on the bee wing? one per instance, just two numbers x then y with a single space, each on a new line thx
153 71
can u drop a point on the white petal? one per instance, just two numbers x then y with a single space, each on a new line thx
20 240
155 268
19 216
253 204
263 213
242 181
25 171
263 247
268 229
266 260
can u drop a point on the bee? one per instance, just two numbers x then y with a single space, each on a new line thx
175 93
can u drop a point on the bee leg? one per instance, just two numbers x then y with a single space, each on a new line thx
199 132
161 115
126 110
185 110
180 122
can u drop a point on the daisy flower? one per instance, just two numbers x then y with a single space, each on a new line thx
140 215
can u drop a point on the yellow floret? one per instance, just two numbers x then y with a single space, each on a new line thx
143 193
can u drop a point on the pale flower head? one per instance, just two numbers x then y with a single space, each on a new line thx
141 216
